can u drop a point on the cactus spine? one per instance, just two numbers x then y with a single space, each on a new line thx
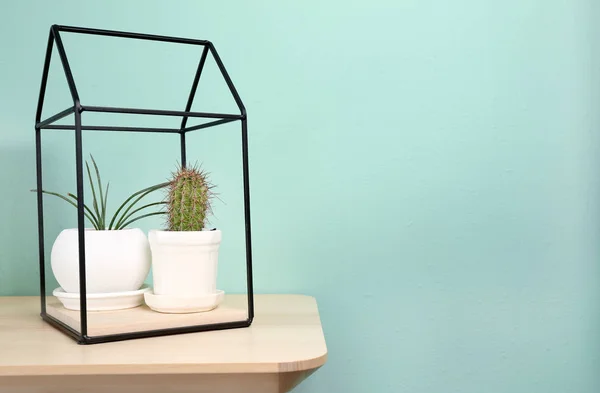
189 197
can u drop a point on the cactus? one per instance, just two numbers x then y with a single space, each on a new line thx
188 199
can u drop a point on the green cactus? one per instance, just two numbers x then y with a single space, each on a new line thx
188 200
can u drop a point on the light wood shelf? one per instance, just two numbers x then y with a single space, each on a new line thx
284 345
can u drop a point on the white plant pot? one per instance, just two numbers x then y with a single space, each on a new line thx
115 261
185 263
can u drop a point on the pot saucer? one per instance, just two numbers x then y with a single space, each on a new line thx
103 301
183 304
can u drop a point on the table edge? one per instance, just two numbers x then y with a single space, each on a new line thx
164 369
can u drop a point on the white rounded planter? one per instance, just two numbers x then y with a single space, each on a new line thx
115 260
184 264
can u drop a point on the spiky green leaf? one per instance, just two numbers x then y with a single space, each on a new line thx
94 199
88 211
124 218
140 217
151 188
100 191
90 218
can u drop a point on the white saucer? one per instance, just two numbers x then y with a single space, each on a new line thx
183 304
103 301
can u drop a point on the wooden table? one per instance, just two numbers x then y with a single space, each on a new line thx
284 345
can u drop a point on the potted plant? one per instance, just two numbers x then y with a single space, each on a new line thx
117 258
185 256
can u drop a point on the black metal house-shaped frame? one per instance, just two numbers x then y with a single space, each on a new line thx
49 124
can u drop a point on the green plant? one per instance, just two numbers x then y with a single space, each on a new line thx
188 199
97 214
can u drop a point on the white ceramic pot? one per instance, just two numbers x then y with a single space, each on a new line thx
185 263
115 261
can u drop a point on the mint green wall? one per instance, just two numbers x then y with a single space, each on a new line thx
427 169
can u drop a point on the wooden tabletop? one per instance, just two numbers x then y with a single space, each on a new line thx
285 338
